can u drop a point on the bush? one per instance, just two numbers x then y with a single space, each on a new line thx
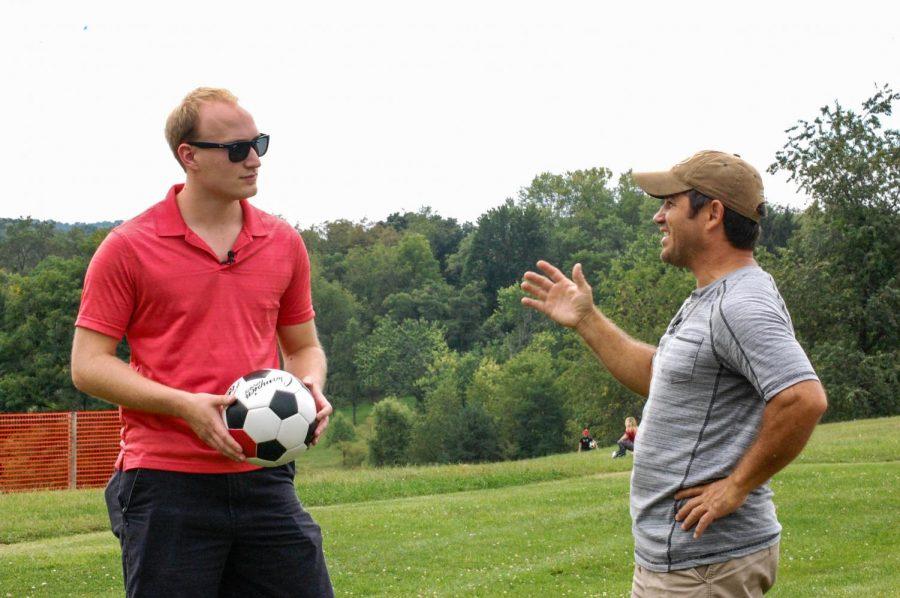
451 431
340 430
522 401
353 453
475 437
393 423
858 385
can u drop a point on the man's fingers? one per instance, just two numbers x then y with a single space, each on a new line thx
229 447
694 516
224 400
534 304
216 443
324 409
320 429
537 280
534 290
551 271
232 444
221 439
704 523
226 444
687 508
323 406
578 277
689 492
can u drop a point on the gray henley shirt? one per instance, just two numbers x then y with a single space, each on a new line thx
727 352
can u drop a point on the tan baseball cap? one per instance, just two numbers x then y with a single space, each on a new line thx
726 177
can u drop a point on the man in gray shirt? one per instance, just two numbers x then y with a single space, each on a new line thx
731 395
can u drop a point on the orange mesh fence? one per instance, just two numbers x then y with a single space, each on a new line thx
47 451
96 447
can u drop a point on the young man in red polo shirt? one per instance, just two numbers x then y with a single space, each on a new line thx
205 287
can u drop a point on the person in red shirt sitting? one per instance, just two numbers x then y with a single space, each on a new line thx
626 442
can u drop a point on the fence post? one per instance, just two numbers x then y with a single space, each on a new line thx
73 450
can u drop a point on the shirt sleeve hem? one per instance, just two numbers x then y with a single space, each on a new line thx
788 383
101 327
291 320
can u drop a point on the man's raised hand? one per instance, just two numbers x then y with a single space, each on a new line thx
565 301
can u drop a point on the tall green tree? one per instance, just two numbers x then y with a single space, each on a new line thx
38 318
509 239
377 272
25 242
344 383
443 234
396 355
840 273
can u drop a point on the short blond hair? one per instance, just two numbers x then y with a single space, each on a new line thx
630 421
182 121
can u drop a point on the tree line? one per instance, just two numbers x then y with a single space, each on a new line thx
420 313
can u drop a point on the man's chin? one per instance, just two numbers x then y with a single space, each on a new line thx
668 258
243 191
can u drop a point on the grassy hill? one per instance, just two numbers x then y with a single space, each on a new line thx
556 525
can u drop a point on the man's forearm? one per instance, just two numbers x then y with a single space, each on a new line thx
308 361
787 424
628 360
107 377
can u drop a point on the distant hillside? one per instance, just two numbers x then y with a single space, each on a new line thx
62 226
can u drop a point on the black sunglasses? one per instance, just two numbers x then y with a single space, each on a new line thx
239 150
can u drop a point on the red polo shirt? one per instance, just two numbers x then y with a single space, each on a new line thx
193 323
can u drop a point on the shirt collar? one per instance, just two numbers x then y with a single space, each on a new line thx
170 223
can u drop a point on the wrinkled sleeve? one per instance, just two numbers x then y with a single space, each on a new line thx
296 301
108 296
753 335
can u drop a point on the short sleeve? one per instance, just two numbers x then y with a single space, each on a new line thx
296 302
108 297
752 335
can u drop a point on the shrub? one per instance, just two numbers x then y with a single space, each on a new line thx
392 426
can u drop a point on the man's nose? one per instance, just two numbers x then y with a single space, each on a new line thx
252 160
659 217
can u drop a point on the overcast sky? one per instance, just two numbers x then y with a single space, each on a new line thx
377 107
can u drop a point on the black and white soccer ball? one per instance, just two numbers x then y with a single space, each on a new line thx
273 418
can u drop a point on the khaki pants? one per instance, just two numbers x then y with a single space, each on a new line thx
750 575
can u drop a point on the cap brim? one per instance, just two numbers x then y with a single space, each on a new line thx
659 184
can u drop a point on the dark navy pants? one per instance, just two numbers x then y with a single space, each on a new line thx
242 534
624 445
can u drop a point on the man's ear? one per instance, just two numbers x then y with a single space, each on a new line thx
187 156
716 213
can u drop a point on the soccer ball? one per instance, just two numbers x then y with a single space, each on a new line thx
273 418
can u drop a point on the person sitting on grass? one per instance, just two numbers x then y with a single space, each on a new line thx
626 442
586 443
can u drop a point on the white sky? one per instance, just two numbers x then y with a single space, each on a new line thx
376 107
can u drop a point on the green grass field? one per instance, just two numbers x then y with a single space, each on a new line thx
551 526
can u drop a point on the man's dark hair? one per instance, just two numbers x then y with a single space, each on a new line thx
740 231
